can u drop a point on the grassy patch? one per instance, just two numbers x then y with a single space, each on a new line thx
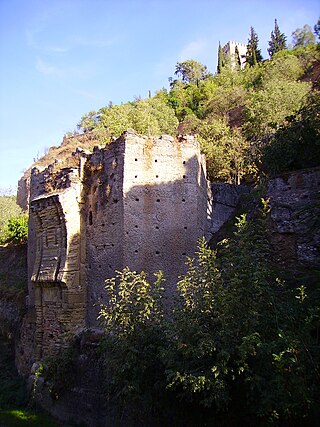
25 418
15 409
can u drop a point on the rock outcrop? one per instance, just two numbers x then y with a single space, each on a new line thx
295 216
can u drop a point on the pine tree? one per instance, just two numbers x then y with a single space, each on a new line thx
253 55
278 40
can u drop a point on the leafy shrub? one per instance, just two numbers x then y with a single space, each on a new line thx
246 346
60 372
16 230
296 145
238 345
267 109
149 117
226 150
133 320
8 209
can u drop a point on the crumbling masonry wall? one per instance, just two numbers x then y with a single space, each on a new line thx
56 292
138 202
146 205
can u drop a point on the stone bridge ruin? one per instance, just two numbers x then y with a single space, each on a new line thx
138 202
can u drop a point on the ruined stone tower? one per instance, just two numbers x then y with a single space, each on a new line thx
229 49
138 202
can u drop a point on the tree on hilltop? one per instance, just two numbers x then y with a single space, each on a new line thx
278 40
221 59
191 71
317 29
303 36
237 57
253 55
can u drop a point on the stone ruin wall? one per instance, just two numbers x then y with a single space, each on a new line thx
56 289
295 219
102 216
145 208
141 203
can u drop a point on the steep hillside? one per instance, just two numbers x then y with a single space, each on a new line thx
60 156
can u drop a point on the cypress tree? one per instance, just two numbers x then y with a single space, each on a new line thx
220 59
317 29
237 57
278 40
253 55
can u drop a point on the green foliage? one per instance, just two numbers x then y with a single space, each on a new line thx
186 100
221 59
191 71
25 418
163 114
133 320
132 302
316 29
267 109
285 65
296 145
15 410
260 98
59 372
237 58
308 56
16 231
303 36
237 343
252 77
278 40
227 152
88 121
12 389
8 209
116 118
225 99
253 55
244 343
235 113
152 116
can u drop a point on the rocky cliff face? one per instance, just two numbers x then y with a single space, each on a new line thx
225 199
295 219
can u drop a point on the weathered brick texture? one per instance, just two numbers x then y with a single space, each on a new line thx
138 202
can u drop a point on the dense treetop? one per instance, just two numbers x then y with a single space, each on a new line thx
253 52
278 40
236 114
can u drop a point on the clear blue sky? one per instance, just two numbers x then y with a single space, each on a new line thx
63 58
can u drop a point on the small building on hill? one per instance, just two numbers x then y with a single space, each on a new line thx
229 50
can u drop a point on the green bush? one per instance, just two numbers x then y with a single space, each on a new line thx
134 325
238 345
297 144
246 346
8 209
16 231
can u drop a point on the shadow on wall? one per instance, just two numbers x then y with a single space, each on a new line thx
143 204
131 221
